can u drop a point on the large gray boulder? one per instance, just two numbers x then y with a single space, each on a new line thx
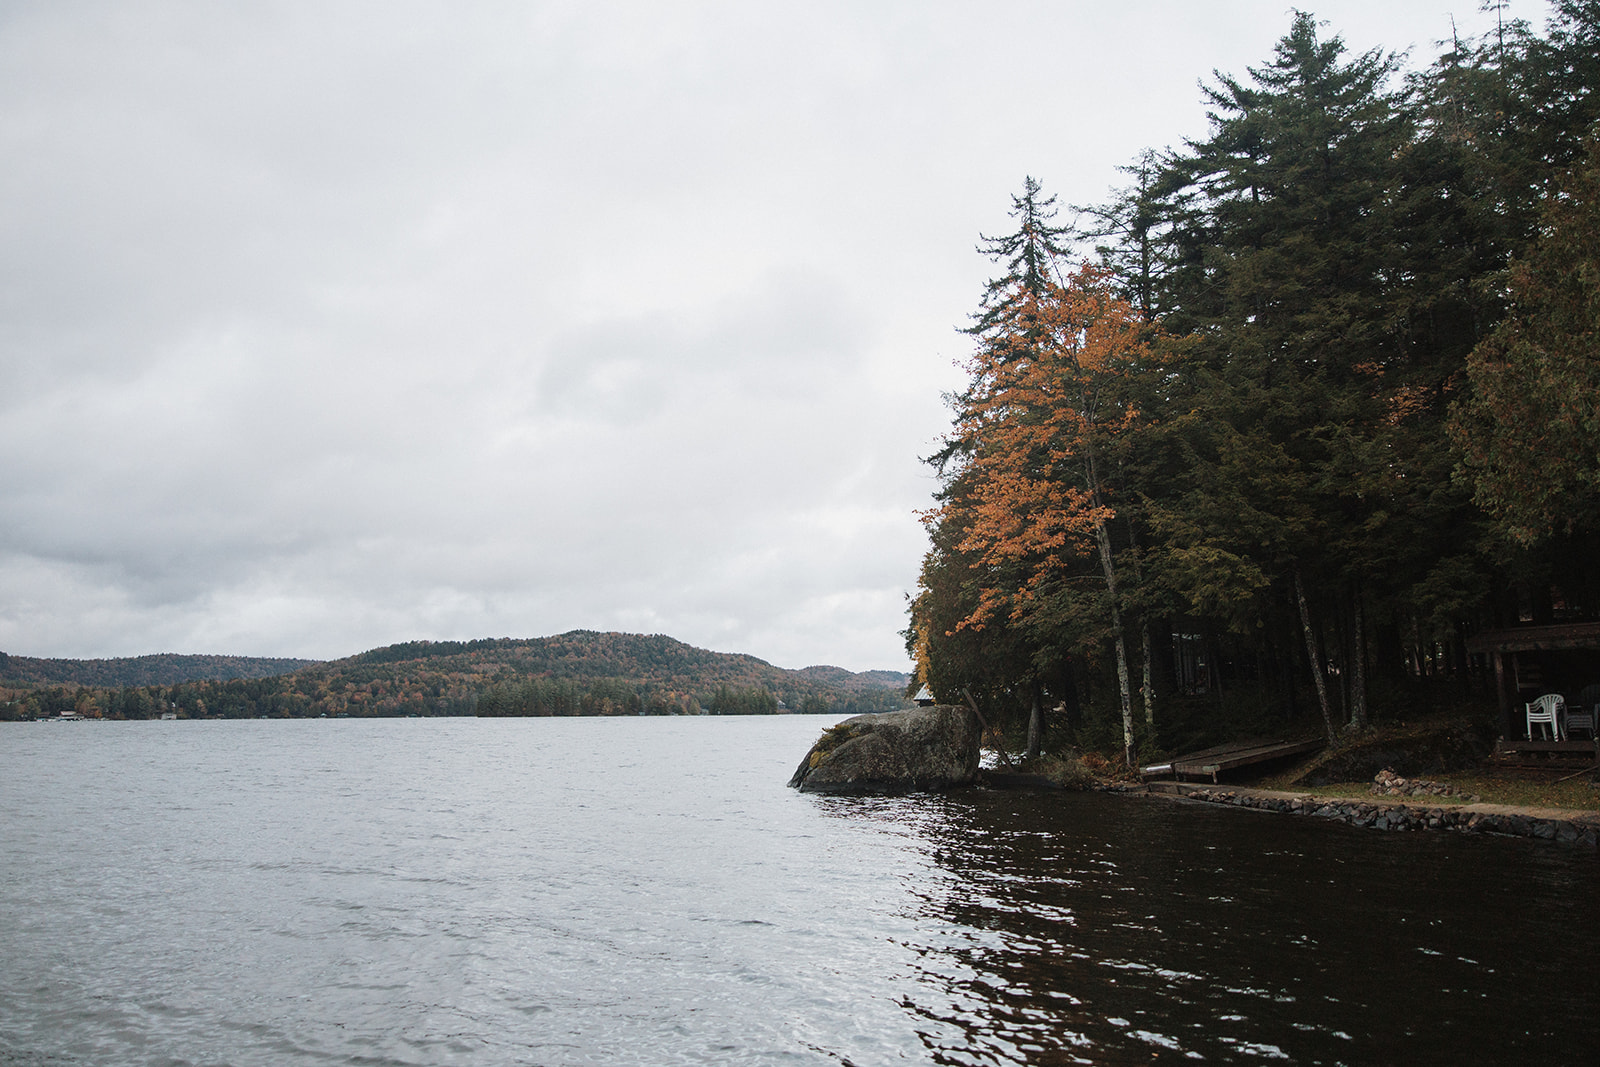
931 748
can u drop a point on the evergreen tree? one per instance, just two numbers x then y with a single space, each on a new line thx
1294 300
1529 432
1030 255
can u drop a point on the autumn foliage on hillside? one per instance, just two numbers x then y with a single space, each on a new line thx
576 673
159 669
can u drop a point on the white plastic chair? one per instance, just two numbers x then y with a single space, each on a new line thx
1544 711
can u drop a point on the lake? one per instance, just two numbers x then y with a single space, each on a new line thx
647 891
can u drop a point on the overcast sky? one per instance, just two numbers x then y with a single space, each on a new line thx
329 325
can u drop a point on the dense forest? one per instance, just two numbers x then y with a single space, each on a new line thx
164 668
1263 439
576 673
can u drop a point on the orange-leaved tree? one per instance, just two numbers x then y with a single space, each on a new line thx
1049 400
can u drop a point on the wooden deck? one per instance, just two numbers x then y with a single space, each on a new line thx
1210 762
1551 755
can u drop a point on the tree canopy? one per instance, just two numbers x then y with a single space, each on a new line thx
1306 405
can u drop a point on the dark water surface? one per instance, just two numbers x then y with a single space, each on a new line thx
646 891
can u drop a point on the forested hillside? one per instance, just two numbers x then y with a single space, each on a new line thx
1259 442
164 669
576 673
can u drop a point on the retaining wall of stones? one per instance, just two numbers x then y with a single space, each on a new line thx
1405 816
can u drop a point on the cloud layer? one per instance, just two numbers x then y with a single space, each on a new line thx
327 326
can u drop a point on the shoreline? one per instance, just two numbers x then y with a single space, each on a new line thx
1562 825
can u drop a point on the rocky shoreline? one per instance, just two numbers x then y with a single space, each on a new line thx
1559 825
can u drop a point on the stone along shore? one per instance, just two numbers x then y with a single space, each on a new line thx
1419 810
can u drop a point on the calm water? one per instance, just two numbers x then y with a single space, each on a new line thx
647 891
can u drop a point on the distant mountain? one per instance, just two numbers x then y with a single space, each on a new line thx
164 669
591 654
582 672
840 676
587 672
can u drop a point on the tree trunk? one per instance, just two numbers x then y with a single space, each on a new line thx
1035 725
1421 664
1124 687
1311 650
1358 672
1213 652
1148 692
1339 700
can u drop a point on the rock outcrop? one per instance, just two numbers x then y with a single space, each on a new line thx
921 749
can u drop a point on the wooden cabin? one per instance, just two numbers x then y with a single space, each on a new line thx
1530 661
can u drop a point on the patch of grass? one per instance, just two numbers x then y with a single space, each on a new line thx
1539 789
832 737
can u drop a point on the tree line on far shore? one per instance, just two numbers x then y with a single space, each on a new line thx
577 673
1263 439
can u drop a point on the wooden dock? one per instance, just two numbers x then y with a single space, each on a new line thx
1210 762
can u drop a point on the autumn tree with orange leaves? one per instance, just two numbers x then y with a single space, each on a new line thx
1047 399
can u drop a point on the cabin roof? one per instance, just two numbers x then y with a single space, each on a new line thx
1537 638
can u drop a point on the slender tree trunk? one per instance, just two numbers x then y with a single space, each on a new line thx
1035 724
1124 687
1213 665
1358 672
1102 536
1339 702
1316 659
1148 692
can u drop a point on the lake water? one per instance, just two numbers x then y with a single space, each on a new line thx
647 891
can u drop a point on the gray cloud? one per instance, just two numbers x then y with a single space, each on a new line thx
325 326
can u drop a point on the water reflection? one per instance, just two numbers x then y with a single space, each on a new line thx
561 892
1101 930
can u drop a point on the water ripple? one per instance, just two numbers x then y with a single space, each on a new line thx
562 892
